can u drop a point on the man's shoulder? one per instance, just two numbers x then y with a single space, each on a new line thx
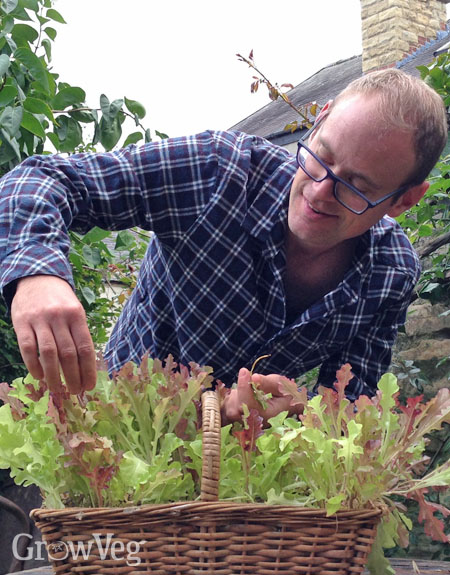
235 139
251 158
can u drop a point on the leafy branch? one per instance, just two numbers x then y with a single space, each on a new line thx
276 91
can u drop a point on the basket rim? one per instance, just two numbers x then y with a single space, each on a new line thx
177 509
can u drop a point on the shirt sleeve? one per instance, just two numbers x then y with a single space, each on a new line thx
161 186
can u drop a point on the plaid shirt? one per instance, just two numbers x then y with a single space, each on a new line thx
210 288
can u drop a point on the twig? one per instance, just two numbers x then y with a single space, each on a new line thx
275 90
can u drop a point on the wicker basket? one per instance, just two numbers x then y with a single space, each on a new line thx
208 536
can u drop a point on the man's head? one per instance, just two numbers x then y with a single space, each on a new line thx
383 133
409 104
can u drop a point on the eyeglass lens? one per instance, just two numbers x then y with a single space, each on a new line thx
317 172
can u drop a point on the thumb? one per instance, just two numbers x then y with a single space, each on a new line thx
245 389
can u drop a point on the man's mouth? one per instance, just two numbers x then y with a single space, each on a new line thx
315 210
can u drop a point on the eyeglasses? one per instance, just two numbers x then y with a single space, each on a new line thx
346 194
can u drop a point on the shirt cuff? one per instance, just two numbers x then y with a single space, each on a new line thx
32 261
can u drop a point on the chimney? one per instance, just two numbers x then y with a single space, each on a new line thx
393 29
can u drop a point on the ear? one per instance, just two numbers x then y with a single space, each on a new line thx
408 199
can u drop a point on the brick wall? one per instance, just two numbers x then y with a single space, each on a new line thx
392 29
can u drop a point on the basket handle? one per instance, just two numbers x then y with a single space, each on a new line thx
210 447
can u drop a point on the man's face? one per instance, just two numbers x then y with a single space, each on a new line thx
373 158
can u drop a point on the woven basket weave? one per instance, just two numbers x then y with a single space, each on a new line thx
208 536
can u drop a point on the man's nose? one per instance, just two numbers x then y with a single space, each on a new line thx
324 188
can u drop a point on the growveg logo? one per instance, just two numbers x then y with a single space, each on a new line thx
101 546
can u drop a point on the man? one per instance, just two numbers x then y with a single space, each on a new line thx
255 252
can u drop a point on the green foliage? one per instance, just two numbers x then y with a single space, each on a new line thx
437 75
41 114
428 227
11 365
428 223
38 110
104 269
123 443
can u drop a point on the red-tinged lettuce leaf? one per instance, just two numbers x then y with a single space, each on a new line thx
180 429
343 377
94 458
363 402
57 416
333 397
312 415
338 410
433 526
57 399
202 372
299 395
17 407
198 412
253 428
27 389
367 414
173 381
34 393
433 414
222 391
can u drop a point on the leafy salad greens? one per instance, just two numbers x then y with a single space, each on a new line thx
136 439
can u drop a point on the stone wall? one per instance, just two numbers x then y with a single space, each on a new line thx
392 29
425 343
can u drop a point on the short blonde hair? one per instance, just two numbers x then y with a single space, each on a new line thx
408 103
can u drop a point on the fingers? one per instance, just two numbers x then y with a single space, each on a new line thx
231 409
75 353
47 357
85 355
232 405
284 393
52 333
269 383
28 349
244 394
245 391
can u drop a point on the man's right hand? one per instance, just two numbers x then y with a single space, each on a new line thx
52 332
232 408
